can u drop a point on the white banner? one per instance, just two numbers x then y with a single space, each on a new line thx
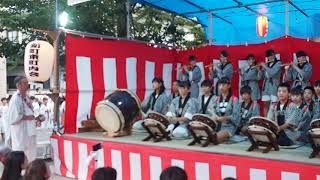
3 77
74 2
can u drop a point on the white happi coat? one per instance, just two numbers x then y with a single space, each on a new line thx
22 132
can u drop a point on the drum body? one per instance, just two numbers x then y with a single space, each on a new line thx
315 131
265 125
153 119
117 111
202 120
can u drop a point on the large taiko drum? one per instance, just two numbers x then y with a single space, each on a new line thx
202 120
315 131
117 111
263 125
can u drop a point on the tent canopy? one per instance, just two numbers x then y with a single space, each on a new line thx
234 21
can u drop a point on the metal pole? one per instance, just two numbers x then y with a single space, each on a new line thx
128 19
287 18
210 28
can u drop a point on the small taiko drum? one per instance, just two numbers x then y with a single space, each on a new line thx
153 119
202 120
117 111
263 125
315 131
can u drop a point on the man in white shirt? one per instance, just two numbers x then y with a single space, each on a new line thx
22 120
45 110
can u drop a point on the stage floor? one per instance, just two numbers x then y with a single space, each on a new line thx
298 155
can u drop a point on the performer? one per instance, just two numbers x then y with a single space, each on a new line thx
225 69
175 90
22 120
317 91
251 76
300 74
3 116
286 115
227 108
207 99
157 101
181 110
271 76
46 111
193 75
249 109
311 113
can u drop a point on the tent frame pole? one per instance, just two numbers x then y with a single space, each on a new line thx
287 17
128 19
210 27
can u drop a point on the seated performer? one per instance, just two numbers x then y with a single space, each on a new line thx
227 108
225 69
175 90
271 76
301 73
157 101
181 110
317 91
207 99
251 76
249 109
311 113
192 74
286 115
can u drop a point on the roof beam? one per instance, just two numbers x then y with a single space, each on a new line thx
295 6
248 8
233 7
208 11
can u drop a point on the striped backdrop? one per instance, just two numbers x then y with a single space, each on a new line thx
136 162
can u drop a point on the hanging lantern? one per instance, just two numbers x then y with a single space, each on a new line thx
262 26
38 61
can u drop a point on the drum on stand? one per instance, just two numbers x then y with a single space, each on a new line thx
263 131
156 125
314 137
117 111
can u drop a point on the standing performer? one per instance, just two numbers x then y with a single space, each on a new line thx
227 108
22 120
225 69
271 73
181 110
192 74
207 99
157 101
301 73
286 115
3 117
251 76
46 111
249 109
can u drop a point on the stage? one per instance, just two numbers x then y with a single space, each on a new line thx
136 160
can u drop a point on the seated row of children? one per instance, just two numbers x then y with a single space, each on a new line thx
293 111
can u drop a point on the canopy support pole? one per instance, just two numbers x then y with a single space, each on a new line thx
128 19
210 27
287 18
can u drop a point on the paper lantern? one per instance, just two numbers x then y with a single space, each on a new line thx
262 26
38 61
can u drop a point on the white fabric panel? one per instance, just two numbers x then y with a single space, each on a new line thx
258 174
242 64
109 75
167 77
83 166
131 74
85 88
201 66
228 171
289 176
135 166
149 75
116 162
155 167
177 70
68 157
176 162
56 160
100 158
318 177
202 171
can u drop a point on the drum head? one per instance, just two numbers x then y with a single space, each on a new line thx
258 137
158 117
205 119
315 123
265 123
109 117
